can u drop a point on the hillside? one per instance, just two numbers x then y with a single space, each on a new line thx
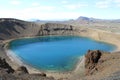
13 28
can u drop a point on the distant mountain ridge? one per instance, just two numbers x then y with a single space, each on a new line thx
81 20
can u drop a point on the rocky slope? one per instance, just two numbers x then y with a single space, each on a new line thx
13 28
8 73
101 65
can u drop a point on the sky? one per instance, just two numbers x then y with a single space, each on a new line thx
59 9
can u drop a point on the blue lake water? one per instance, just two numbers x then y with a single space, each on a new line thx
55 53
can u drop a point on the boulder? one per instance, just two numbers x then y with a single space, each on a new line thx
4 65
22 70
43 74
40 74
91 60
8 73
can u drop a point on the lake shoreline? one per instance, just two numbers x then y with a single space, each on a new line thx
98 35
79 69
18 62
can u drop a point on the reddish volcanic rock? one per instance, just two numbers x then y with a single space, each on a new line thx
91 60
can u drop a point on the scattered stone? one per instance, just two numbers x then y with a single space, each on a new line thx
21 70
7 73
40 74
43 74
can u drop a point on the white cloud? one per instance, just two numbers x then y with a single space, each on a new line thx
42 12
64 2
47 13
51 15
118 5
27 13
117 1
103 3
38 13
39 8
15 2
35 4
75 6
108 3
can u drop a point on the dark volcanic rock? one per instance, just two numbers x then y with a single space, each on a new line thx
24 77
42 74
21 70
6 73
13 28
5 66
91 60
56 29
